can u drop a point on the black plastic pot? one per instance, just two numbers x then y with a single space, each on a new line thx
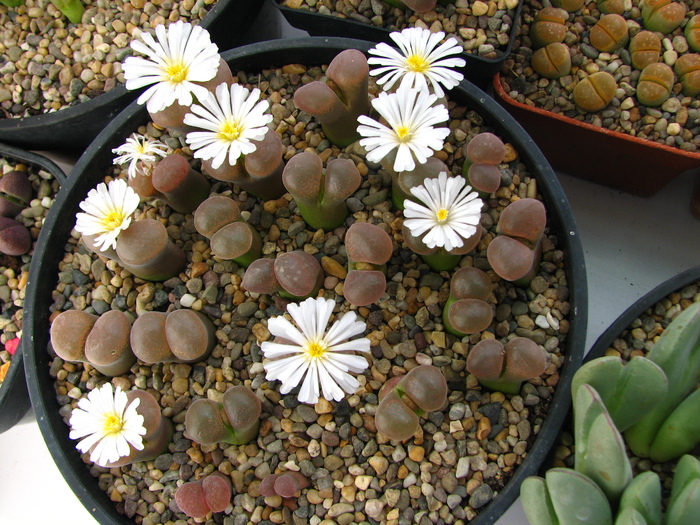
14 396
72 129
91 169
477 69
645 302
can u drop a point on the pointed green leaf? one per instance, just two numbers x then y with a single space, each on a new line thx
629 392
630 516
536 503
677 352
600 450
686 507
687 470
576 499
643 494
680 432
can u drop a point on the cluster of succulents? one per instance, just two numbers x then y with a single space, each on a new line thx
648 405
226 126
643 30
15 194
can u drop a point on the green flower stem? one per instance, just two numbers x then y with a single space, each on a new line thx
442 260
243 436
446 318
507 387
73 9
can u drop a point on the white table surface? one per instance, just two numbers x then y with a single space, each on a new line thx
631 244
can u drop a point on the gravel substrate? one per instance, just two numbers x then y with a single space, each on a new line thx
48 63
637 340
675 123
462 455
14 270
482 27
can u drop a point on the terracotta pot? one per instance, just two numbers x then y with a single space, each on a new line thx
621 161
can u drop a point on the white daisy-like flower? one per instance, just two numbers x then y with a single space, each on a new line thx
450 215
419 61
183 55
322 357
108 210
411 117
108 422
141 153
234 118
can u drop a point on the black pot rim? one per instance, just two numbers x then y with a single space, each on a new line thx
642 304
73 128
275 53
14 395
477 68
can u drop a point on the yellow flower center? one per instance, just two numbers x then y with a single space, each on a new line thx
417 63
230 131
113 424
113 219
403 133
177 71
442 214
316 349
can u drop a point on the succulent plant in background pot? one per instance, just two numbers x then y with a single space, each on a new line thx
62 79
28 185
619 82
632 457
315 364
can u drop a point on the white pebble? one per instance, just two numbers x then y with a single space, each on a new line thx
187 300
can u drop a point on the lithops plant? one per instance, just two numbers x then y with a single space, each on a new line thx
404 399
15 193
609 33
687 67
203 496
145 249
466 310
369 248
515 253
403 181
320 196
180 186
645 49
218 218
485 152
611 6
552 61
103 342
662 16
183 336
234 420
159 430
594 92
337 103
285 484
294 275
548 27
502 367
15 238
655 84
691 32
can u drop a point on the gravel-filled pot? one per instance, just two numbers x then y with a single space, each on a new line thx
479 68
363 443
634 334
14 396
73 127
